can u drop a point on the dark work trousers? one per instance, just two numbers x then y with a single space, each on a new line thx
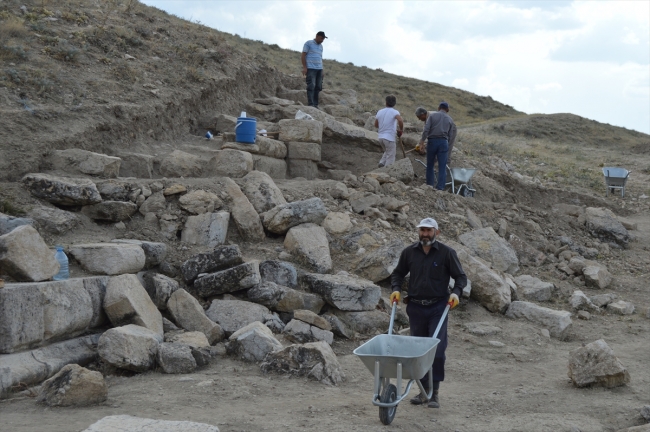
314 81
437 147
423 321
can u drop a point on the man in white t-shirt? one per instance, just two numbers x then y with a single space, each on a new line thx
386 122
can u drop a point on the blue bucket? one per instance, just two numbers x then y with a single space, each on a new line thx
246 130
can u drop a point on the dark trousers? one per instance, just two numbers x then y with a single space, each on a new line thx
423 321
314 81
437 147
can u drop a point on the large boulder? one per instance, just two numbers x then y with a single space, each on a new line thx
109 258
160 288
231 163
557 322
54 220
222 257
282 217
174 358
365 322
110 211
526 253
620 308
232 315
402 170
207 229
489 288
534 289
486 244
127 302
136 424
379 264
199 202
301 131
130 347
309 245
237 278
596 365
181 164
253 342
596 276
283 299
316 360
25 257
343 133
243 213
345 292
62 191
261 191
74 385
279 272
77 161
602 223
189 315
298 331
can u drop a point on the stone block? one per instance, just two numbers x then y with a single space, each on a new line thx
345 292
301 332
262 192
175 358
25 257
154 252
237 278
8 223
74 385
222 257
302 168
253 342
243 213
207 229
181 164
127 302
596 365
189 315
231 163
304 150
534 289
160 288
486 244
279 272
62 191
276 168
136 165
54 220
282 217
316 360
77 161
109 258
283 299
310 131
557 322
199 202
232 315
130 347
309 245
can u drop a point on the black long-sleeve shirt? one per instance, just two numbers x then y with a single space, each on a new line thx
430 272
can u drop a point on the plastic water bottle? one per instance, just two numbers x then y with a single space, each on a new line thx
64 272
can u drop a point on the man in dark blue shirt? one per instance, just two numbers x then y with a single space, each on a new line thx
430 264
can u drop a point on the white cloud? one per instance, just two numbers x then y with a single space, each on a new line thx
538 56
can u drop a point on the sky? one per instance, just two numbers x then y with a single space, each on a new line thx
590 58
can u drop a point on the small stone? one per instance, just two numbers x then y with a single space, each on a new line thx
621 308
497 344
545 333
584 315
645 412
74 385
174 189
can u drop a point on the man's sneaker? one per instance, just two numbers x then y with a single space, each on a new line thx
434 402
420 399
381 165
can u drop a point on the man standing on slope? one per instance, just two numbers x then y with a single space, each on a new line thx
430 264
439 130
312 67
386 122
423 115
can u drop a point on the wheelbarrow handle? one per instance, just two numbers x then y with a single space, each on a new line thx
442 319
392 317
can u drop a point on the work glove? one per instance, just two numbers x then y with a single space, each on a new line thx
394 297
453 301
399 133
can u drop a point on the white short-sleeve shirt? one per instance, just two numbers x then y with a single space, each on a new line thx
387 123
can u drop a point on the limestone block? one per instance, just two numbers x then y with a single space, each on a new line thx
109 258
54 220
253 342
154 252
379 264
25 257
283 299
276 168
156 204
279 272
136 165
304 150
284 216
620 308
62 191
557 322
486 244
175 358
345 292
127 302
237 278
596 365
74 385
302 168
199 202
222 257
181 164
262 192
309 245
301 332
130 347
207 229
597 277
243 213
337 223
189 315
160 288
231 163
232 315
316 360
301 131
312 318
77 161
534 289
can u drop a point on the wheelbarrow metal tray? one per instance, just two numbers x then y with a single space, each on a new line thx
462 175
415 353
615 176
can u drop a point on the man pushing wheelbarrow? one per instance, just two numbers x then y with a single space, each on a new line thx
430 264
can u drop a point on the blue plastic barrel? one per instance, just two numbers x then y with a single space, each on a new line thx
246 130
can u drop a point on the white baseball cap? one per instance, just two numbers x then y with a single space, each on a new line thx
428 223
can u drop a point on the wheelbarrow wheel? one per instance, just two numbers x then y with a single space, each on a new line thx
389 394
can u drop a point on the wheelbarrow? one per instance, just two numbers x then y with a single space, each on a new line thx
390 356
615 178
460 180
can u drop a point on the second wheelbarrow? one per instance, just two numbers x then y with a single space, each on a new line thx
402 358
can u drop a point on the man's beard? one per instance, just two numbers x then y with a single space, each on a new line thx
425 241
